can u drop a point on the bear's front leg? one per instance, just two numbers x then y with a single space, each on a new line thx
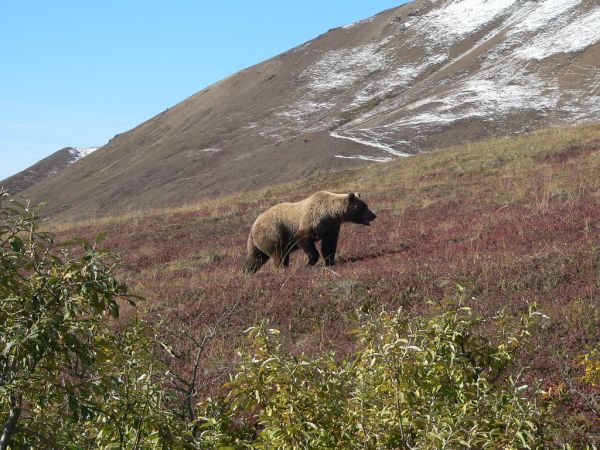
329 245
308 245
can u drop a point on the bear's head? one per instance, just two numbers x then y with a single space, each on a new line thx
358 211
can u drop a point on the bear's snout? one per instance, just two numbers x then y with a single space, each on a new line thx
369 218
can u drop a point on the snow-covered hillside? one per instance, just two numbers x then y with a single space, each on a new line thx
451 61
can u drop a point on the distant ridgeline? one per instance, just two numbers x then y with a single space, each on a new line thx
44 168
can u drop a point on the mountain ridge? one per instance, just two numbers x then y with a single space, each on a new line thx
423 76
45 168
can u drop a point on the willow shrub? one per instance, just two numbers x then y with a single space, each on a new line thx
414 383
67 379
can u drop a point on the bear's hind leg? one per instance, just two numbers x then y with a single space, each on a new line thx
256 258
290 248
281 257
278 260
281 254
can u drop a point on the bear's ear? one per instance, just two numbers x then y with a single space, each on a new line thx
357 194
351 197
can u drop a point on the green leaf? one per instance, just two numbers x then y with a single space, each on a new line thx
522 439
16 243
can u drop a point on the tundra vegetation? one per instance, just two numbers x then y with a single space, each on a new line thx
467 316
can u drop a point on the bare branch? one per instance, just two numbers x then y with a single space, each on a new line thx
189 387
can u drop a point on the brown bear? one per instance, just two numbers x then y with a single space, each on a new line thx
286 227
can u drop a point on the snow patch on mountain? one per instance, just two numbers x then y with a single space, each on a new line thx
576 36
370 141
354 77
81 152
543 13
304 115
463 17
381 159
338 69
398 76
489 94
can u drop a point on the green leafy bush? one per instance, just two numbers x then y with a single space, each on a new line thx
414 383
67 380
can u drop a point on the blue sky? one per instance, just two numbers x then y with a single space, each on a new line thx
75 73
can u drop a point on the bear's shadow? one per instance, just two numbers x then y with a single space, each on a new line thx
352 259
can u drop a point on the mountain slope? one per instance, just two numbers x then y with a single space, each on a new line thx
426 75
48 166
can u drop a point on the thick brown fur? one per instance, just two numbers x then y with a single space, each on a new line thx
287 227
